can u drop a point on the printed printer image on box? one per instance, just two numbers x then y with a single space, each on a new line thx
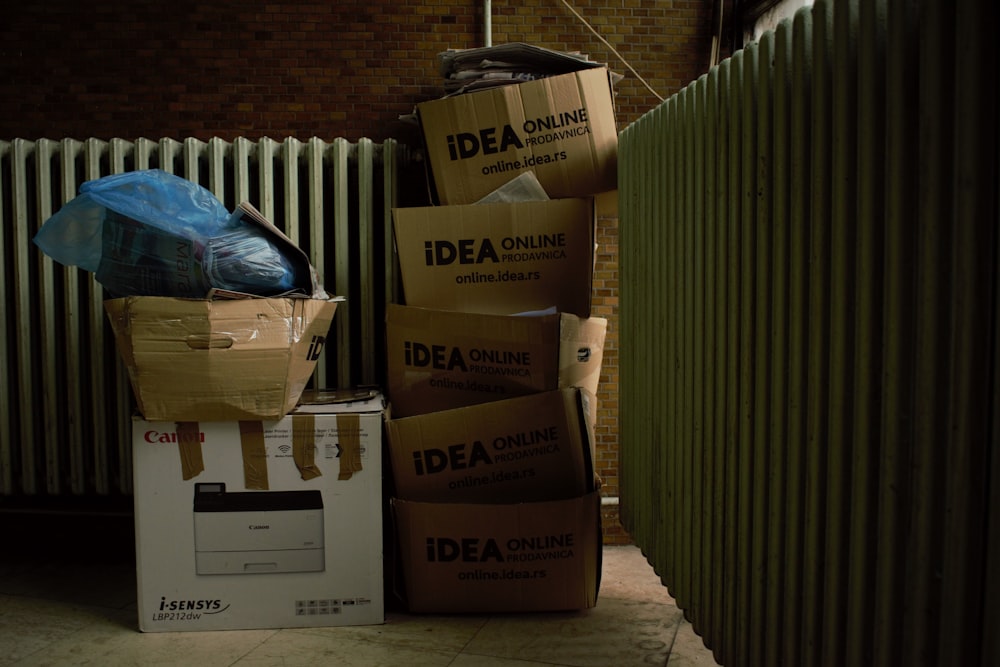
256 532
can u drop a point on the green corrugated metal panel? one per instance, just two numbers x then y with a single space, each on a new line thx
808 312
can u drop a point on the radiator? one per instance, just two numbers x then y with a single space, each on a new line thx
66 401
809 356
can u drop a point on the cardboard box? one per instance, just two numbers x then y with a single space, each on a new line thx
498 258
440 359
273 524
530 448
218 360
562 128
488 558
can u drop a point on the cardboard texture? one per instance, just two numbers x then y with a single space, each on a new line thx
516 557
217 360
275 538
498 258
529 448
561 127
440 359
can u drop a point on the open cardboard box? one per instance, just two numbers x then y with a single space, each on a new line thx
229 356
217 360
442 359
535 447
500 557
499 258
560 127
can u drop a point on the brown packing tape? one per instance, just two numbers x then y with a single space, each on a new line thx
349 444
581 351
254 455
189 447
304 446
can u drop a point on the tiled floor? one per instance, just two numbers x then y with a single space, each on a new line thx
67 597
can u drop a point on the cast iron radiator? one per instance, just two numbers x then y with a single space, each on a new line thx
809 341
66 402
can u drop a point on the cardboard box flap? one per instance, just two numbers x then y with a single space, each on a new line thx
581 351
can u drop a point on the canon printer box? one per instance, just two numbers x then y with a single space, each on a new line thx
260 524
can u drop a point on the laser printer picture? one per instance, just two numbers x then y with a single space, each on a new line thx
256 532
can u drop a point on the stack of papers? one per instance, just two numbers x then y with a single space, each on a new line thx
467 70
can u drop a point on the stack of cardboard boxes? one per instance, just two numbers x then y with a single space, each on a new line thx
253 507
494 361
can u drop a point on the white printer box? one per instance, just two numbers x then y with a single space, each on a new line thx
273 524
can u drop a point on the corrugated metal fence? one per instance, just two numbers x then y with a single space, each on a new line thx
66 402
809 341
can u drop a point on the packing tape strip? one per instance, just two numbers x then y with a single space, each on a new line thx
349 444
254 455
581 352
189 447
304 446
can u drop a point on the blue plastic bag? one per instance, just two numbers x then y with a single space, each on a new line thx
150 233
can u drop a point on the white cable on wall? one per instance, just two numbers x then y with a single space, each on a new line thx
606 43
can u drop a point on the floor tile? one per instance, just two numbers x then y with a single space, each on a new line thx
424 632
627 575
28 626
88 584
291 648
689 649
465 660
615 632
62 635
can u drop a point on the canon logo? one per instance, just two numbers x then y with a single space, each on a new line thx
259 526
172 437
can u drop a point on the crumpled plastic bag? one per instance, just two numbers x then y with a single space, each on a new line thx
150 233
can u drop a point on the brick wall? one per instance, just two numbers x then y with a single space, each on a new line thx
339 68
